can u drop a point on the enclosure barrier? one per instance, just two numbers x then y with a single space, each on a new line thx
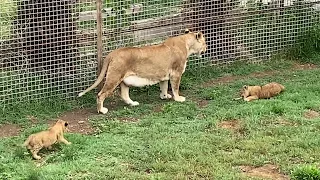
52 48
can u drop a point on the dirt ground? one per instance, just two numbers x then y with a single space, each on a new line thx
9 130
78 120
267 171
230 124
311 114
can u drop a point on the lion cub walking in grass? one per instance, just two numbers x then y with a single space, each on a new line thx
250 93
36 142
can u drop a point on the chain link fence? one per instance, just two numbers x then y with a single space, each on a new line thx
52 48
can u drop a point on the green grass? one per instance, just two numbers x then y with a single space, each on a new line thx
7 13
183 140
306 173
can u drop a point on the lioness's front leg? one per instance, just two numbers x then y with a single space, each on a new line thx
164 90
125 95
175 79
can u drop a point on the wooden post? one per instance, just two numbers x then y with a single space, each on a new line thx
99 39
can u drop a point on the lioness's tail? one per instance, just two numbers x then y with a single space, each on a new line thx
100 77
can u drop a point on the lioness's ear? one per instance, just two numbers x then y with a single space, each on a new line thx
186 31
245 87
199 35
66 124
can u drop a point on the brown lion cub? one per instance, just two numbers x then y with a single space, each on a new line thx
36 142
250 93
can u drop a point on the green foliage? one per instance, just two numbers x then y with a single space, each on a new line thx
306 172
307 47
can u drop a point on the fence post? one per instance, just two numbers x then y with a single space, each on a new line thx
99 39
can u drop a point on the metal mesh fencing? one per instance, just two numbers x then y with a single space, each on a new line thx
51 48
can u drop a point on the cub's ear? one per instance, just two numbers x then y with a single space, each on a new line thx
186 31
199 35
66 124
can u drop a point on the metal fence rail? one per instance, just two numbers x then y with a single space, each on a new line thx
52 47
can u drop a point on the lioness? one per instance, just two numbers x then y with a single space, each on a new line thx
148 65
250 93
36 142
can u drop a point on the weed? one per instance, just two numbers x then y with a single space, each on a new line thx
306 172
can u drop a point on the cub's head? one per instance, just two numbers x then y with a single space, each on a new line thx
63 124
196 42
245 92
249 91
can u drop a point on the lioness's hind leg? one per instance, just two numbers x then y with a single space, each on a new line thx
125 95
175 79
164 90
106 91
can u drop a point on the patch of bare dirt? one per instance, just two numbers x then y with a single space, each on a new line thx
158 108
284 122
220 80
128 119
8 130
311 114
228 79
262 74
267 171
33 119
78 120
230 124
304 66
202 103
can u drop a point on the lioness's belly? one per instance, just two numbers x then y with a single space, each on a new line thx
140 82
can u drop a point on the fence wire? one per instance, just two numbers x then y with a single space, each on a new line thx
48 48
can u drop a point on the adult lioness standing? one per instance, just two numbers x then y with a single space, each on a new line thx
148 65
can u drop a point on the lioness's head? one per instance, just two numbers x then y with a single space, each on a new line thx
197 42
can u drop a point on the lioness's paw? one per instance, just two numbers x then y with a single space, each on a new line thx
180 99
68 143
134 103
165 96
104 110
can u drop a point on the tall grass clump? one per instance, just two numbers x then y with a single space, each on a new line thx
307 47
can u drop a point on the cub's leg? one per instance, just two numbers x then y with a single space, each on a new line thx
108 88
125 95
63 140
250 98
164 90
35 150
175 79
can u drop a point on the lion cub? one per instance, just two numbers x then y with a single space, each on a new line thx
250 93
36 142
